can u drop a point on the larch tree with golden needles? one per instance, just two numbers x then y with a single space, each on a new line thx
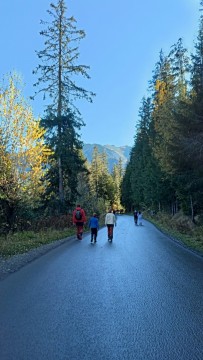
24 153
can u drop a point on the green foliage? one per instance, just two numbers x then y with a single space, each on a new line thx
101 182
23 155
22 242
117 176
98 189
179 227
165 171
59 61
67 148
57 72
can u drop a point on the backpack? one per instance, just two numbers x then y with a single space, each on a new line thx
78 215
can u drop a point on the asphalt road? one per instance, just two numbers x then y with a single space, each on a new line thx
139 298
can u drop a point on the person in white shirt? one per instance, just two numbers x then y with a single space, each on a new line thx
110 221
139 218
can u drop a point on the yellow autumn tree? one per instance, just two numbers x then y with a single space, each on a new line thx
22 143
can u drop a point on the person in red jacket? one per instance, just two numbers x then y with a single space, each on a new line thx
79 218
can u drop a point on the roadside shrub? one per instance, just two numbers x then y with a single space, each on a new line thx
183 223
53 222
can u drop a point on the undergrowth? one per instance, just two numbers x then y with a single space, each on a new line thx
181 228
22 242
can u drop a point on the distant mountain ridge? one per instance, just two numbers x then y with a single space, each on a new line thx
114 153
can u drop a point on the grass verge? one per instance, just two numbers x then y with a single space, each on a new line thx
22 242
190 236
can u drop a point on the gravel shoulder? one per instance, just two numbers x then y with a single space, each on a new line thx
14 263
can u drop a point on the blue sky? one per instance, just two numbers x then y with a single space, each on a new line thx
122 44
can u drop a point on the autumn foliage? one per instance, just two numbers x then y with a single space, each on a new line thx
23 153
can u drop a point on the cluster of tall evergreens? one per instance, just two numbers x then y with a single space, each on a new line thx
165 171
42 168
101 189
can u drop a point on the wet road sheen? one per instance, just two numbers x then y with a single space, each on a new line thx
140 298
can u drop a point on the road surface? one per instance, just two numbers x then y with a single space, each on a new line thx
139 298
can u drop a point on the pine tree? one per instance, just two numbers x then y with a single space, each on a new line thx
117 176
146 176
58 70
126 190
180 67
101 181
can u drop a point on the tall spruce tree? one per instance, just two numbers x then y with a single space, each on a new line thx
146 179
101 181
186 148
58 70
162 117
192 129
117 176
167 157
126 191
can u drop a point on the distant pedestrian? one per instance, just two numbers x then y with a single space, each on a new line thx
139 218
110 221
135 216
79 219
94 227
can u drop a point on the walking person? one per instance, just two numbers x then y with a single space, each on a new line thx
94 227
110 221
79 218
135 216
139 218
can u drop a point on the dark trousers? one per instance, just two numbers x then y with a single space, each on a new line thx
93 233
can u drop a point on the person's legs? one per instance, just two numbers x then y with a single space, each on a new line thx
110 232
95 235
92 233
79 231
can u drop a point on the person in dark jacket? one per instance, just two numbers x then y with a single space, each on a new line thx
79 219
135 217
94 227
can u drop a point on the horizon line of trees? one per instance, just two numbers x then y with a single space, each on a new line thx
165 171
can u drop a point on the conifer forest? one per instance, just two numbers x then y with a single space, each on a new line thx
43 171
